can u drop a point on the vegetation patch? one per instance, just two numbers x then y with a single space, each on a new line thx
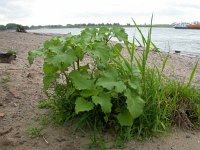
110 92
34 132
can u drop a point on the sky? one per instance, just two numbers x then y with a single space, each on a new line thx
45 12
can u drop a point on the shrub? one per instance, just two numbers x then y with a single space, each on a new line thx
106 88
87 78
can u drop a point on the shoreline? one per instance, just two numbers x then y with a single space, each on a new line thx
180 64
180 52
184 52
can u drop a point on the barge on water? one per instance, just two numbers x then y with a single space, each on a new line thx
195 25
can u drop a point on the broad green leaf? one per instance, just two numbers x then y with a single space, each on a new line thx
81 80
103 34
66 59
134 84
101 51
120 33
54 45
89 92
50 75
88 34
104 101
56 48
134 103
49 79
109 81
125 118
48 69
83 105
33 54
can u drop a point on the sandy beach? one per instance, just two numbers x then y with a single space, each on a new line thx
21 90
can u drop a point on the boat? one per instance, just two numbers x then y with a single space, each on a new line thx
181 26
195 25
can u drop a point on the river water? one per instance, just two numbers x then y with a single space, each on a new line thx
166 39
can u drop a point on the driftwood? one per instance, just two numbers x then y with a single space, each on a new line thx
176 51
7 57
20 28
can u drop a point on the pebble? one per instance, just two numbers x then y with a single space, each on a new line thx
187 136
60 139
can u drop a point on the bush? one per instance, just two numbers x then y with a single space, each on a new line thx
106 88
2 27
87 78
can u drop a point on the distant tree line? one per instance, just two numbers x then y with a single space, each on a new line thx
13 26
75 25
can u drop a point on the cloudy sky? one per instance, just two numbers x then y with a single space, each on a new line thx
44 12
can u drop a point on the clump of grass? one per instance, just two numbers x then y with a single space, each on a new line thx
34 132
167 101
5 79
12 52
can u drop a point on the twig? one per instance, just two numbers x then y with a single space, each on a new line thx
45 140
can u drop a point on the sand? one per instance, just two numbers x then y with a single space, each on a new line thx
21 90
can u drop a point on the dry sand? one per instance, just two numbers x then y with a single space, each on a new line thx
21 90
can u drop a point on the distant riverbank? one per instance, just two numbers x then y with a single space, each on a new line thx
166 39
13 26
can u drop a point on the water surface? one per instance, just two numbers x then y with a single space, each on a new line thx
166 39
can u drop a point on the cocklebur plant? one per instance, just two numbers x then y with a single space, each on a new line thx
109 84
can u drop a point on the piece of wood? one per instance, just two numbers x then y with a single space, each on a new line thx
7 57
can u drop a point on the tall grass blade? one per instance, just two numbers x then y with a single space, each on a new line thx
132 50
141 34
164 62
192 74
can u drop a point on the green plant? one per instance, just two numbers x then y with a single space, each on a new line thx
108 85
162 95
89 80
34 132
5 79
13 52
96 140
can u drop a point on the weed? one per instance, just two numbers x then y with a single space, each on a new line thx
34 132
5 79
44 104
123 94
97 143
13 52
45 120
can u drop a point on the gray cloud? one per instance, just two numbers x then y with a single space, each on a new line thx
111 14
113 11
173 11
190 6
12 9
